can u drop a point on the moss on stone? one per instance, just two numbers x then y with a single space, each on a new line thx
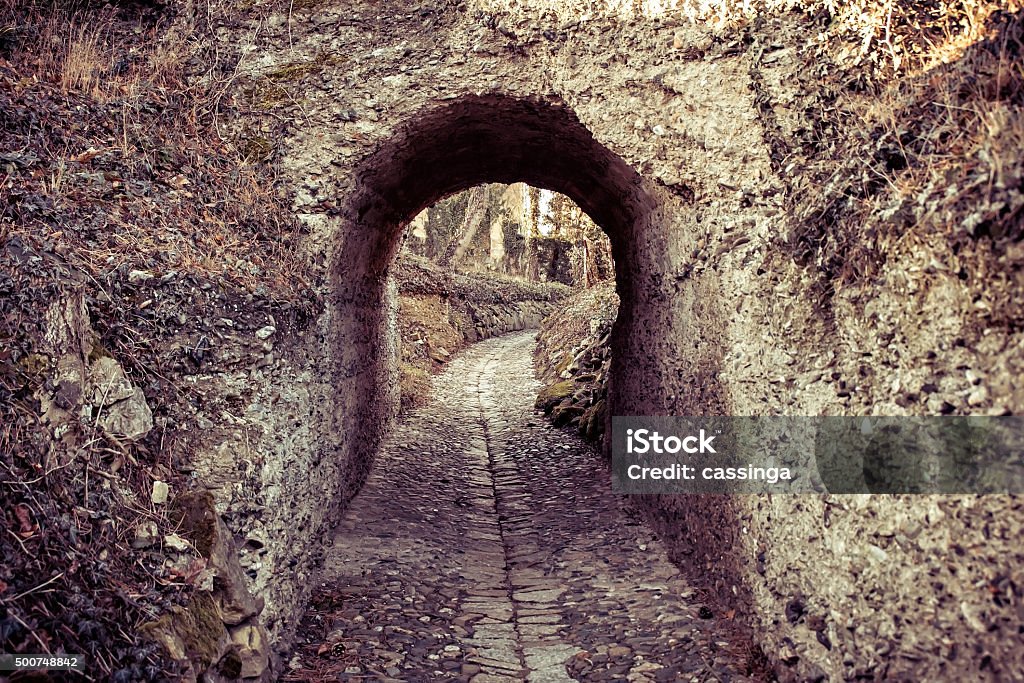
255 148
265 94
292 72
97 351
34 367
592 421
565 412
553 394
194 632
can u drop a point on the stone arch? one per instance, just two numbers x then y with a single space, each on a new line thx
485 139
463 143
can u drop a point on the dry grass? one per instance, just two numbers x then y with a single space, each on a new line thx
165 64
957 127
215 243
119 167
83 62
78 51
73 51
414 384
920 177
215 222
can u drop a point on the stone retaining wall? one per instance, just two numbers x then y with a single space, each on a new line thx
492 320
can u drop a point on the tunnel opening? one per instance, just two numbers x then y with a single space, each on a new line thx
516 230
447 150
497 259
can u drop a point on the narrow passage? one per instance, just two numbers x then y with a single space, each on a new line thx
487 546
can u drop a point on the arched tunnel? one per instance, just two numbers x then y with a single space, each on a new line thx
447 149
465 143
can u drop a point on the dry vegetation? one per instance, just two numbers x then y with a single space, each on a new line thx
117 186
907 150
912 164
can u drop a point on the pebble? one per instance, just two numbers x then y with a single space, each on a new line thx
160 492
139 276
146 534
978 397
176 542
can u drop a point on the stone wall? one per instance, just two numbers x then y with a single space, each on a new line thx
674 140
492 320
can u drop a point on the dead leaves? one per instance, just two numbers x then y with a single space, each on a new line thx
87 155
26 526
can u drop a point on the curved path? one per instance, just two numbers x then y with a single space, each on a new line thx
487 546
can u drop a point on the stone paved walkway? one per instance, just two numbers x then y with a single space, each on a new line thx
487 546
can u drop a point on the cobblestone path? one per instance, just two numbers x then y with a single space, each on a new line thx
487 546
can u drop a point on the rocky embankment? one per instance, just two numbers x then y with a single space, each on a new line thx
572 358
142 259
